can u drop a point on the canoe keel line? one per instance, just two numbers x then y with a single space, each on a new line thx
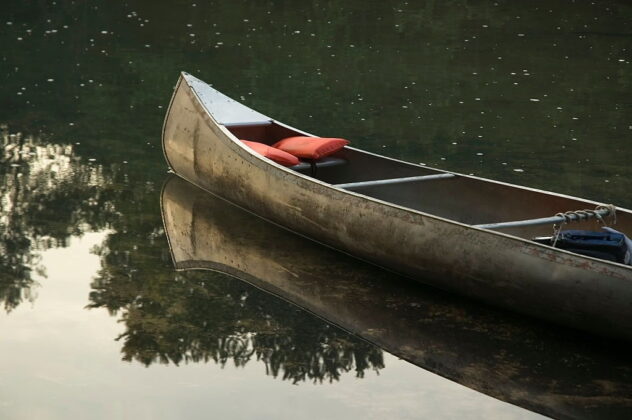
455 232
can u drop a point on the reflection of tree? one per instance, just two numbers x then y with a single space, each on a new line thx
216 319
111 85
202 316
205 316
46 195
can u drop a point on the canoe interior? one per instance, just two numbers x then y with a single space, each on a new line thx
463 199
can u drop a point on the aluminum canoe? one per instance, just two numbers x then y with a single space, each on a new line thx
426 229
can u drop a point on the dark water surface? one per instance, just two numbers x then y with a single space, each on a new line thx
96 322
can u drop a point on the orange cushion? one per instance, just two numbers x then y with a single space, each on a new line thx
311 147
279 156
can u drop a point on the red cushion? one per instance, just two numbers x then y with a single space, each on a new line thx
279 156
310 147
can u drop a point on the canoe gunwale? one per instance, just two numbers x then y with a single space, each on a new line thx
264 163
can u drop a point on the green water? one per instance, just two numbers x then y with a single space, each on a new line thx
97 323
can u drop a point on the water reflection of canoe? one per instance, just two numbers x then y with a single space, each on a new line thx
436 227
544 369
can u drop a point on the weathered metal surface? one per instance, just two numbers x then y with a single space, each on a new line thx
497 268
549 370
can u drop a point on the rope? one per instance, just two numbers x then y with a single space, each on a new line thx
557 228
580 215
612 212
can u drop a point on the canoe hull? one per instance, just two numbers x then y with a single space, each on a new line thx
499 269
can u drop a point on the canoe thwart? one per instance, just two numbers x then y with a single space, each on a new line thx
377 182
571 216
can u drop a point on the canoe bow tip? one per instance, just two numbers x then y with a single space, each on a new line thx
187 77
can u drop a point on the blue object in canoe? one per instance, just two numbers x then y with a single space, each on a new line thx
609 245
